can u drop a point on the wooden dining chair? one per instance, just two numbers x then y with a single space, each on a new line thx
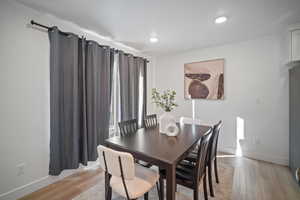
190 174
128 127
125 177
212 156
150 121
188 120
213 149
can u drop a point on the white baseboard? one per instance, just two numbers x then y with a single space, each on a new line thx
280 160
34 186
227 150
40 183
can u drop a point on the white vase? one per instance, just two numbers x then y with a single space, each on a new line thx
164 120
172 129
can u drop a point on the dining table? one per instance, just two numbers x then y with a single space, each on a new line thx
158 149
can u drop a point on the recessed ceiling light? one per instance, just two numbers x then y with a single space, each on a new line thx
220 20
153 39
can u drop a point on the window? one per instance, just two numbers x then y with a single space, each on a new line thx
115 95
115 109
140 99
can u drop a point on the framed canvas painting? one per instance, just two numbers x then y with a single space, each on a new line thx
204 80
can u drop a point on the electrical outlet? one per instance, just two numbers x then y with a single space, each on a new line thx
21 169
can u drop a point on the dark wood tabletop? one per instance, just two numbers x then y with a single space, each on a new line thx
150 143
159 149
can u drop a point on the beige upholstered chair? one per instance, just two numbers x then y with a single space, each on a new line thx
127 179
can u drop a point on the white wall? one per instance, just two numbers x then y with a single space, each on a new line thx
24 100
256 90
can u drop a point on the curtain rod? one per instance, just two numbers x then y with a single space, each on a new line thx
32 22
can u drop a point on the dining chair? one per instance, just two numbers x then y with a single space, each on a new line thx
125 177
188 120
212 156
128 127
150 121
190 174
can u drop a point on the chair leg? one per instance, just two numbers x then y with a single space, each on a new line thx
108 189
158 191
196 193
211 189
162 191
205 186
146 196
216 170
110 193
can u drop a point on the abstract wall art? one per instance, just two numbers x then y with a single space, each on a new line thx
204 80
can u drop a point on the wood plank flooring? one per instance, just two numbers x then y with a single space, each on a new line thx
68 187
252 180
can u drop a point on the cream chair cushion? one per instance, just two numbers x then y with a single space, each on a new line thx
112 161
143 181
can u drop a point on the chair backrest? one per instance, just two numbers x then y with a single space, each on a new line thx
128 127
116 163
214 141
202 154
150 121
188 120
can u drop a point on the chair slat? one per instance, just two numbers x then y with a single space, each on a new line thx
128 127
150 121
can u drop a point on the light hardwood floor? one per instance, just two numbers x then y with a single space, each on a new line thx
252 180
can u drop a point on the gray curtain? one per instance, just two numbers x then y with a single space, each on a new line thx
130 70
80 79
99 68
129 87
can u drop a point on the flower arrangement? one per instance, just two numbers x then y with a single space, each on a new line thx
166 100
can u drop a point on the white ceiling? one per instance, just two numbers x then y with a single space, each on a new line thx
179 24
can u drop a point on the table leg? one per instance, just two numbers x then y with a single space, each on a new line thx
171 182
108 191
161 187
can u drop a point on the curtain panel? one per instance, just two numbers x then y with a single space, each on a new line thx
132 73
80 90
129 78
99 68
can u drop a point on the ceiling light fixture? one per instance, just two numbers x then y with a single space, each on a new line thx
220 20
153 39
